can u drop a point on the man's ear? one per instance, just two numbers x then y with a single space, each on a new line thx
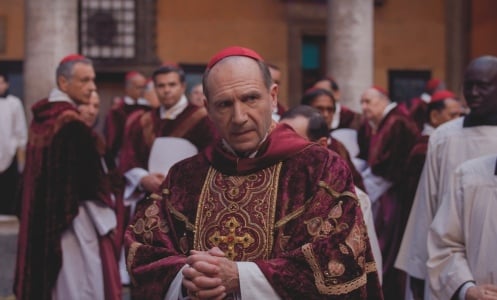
323 141
434 118
62 83
273 92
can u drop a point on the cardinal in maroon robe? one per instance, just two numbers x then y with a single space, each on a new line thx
63 171
393 135
292 210
276 213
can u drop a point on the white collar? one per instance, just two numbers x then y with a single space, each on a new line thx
57 95
130 101
388 109
427 129
175 110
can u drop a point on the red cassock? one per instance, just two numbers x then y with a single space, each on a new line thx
413 169
387 157
120 115
63 169
192 124
291 210
349 118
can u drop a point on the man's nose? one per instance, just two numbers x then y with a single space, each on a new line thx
93 86
239 113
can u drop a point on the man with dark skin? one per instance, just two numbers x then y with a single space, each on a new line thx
450 145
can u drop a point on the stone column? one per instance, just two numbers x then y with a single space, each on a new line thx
51 34
457 20
350 47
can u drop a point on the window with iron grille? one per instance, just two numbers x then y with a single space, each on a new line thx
118 33
107 28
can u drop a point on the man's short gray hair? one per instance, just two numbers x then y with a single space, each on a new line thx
65 69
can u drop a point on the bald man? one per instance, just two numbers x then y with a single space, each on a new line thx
393 136
130 106
260 214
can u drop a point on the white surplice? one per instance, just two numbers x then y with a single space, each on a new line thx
462 238
81 275
450 145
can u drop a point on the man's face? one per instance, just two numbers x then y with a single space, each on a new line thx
135 88
451 111
300 124
89 111
480 88
80 85
4 85
326 107
239 103
197 96
373 105
326 85
169 88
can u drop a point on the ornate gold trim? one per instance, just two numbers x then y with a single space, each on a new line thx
129 260
336 289
371 267
336 194
293 215
209 198
181 217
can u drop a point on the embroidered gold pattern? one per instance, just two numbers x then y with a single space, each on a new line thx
344 249
290 216
336 194
131 257
335 268
236 213
325 282
371 267
320 228
231 239
180 216
356 240
146 225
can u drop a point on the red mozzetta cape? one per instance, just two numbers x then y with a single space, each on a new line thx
63 168
291 210
120 115
389 148
192 124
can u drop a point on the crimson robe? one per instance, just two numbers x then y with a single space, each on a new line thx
294 205
349 118
339 148
118 118
419 113
388 151
63 168
191 124
413 169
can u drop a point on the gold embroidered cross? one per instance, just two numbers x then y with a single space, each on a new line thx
231 239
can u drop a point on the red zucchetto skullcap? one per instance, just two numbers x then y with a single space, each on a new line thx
233 51
432 85
441 96
170 64
131 74
380 90
72 57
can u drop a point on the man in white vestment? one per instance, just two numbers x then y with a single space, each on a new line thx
461 241
451 144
